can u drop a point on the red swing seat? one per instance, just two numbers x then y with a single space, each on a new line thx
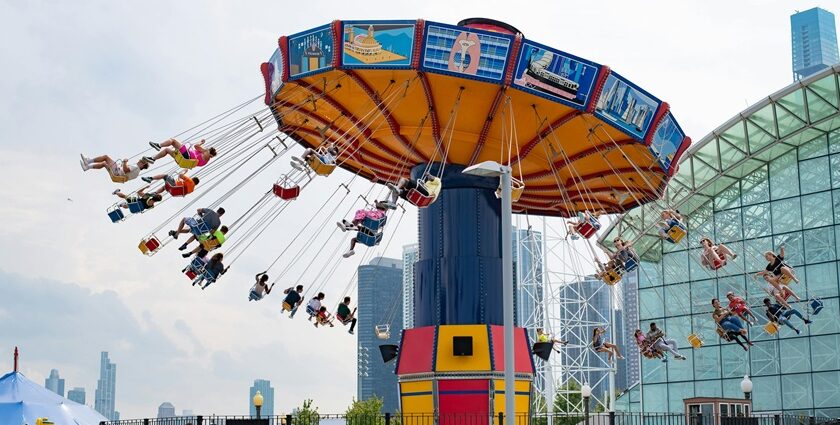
175 190
287 193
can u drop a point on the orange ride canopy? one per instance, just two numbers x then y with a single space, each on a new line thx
396 94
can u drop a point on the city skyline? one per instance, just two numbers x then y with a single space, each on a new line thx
106 388
54 383
155 327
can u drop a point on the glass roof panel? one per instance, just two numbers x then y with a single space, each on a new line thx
788 120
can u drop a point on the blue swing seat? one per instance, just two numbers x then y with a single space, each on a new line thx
630 265
116 215
374 224
368 238
816 305
197 226
136 207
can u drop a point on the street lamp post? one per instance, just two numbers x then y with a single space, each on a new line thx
494 169
747 386
586 392
258 402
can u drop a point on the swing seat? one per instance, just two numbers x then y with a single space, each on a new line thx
183 161
816 306
418 199
190 274
695 340
115 178
771 328
149 245
136 207
286 193
318 166
286 306
676 233
716 264
611 277
210 243
373 224
176 191
368 238
785 279
589 227
115 214
197 226
383 331
630 265
517 187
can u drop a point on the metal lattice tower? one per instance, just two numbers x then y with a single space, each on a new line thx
530 304
575 304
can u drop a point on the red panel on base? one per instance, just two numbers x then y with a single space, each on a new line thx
522 354
417 350
464 401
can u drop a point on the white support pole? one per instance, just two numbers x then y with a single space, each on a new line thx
507 288
614 335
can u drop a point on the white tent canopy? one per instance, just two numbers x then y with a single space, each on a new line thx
23 401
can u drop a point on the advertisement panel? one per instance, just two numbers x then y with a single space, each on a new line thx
377 44
667 140
628 107
467 52
555 75
310 51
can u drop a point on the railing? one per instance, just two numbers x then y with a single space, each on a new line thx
617 418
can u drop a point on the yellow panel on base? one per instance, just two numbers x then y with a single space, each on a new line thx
523 399
480 359
417 402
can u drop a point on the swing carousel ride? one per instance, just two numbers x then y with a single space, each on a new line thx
405 107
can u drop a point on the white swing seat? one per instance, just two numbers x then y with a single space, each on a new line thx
383 331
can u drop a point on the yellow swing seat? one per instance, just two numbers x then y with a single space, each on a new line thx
676 233
785 279
695 340
318 165
117 178
611 276
183 161
771 328
517 187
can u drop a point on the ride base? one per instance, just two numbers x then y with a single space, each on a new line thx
456 371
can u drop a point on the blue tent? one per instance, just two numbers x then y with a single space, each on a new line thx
23 401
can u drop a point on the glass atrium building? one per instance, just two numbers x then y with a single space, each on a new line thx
766 178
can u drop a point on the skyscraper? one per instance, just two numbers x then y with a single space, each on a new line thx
77 394
814 42
267 391
166 410
106 388
380 303
54 383
629 302
410 255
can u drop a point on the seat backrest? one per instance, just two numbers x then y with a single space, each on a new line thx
184 162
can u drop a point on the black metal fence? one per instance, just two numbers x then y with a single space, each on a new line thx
618 418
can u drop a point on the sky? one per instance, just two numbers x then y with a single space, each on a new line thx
103 77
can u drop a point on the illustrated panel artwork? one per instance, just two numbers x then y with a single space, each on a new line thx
626 106
556 75
377 44
456 50
276 76
310 51
666 141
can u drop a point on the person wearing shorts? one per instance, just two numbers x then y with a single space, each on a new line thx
738 306
117 168
146 201
210 221
293 299
170 182
377 213
261 287
173 147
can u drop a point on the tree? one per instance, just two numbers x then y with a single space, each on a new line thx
306 414
365 412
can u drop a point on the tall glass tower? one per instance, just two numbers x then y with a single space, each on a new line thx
380 303
267 391
106 388
814 42
411 253
54 383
